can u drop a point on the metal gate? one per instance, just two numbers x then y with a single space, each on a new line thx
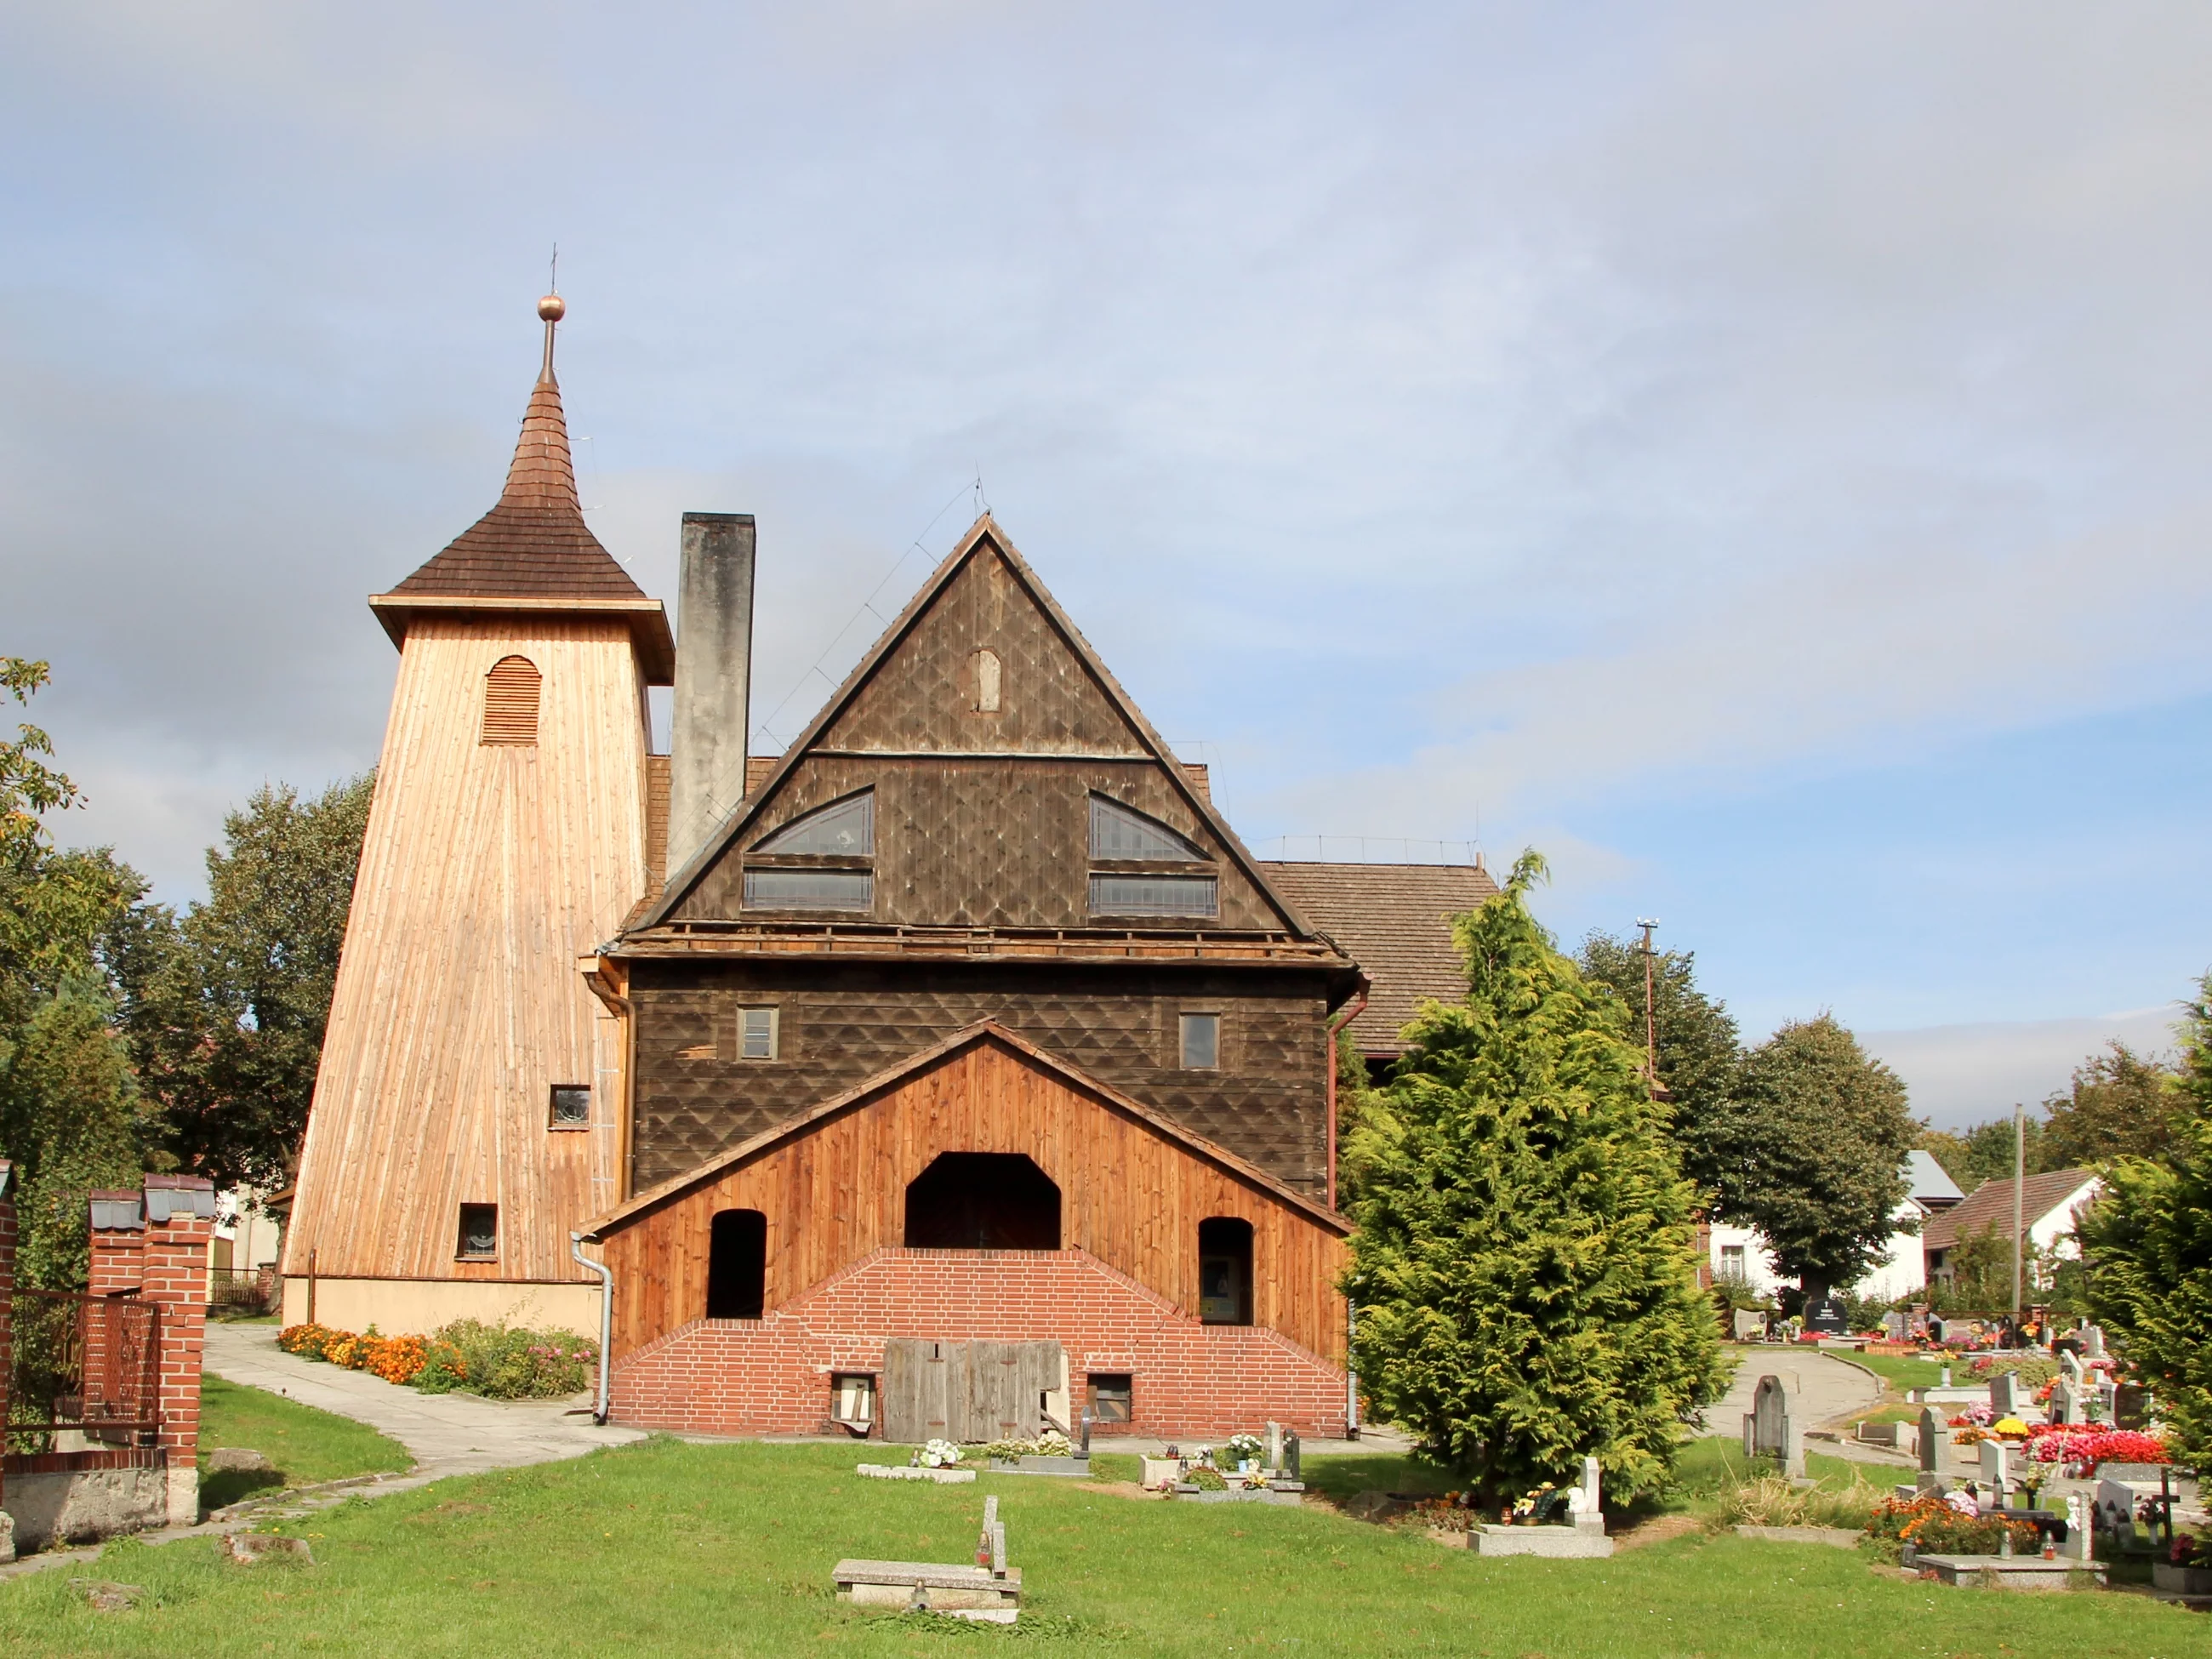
87 1363
967 1392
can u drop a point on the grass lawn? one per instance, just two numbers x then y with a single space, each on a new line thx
303 1444
1903 1371
666 1548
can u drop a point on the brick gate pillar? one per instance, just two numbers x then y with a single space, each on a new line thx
179 1225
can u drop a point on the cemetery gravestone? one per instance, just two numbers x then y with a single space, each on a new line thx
1827 1315
1894 1326
1996 1469
2131 1406
2066 1403
1934 1445
2004 1395
1770 1428
2093 1341
1292 1456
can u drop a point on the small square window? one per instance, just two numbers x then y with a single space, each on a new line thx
572 1106
1201 1042
479 1231
1113 1397
757 1031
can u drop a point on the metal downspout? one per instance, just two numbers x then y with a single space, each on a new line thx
606 1315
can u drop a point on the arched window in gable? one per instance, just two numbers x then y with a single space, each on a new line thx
824 860
510 708
1148 870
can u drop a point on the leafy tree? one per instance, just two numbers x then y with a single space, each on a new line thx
1698 1053
1821 1132
1983 1151
2147 1247
55 906
69 1120
2122 1104
1525 1262
226 1008
69 1114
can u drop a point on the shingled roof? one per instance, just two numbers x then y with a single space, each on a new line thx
1394 919
533 550
1988 1208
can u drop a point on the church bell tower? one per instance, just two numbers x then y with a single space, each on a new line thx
466 1115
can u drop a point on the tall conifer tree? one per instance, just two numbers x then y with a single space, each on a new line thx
1525 1261
2146 1244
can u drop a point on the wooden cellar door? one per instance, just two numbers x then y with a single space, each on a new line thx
966 1392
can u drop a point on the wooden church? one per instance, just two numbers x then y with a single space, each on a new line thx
954 1073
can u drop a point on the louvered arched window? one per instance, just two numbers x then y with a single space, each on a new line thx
510 712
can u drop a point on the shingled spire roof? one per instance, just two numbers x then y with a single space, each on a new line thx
533 551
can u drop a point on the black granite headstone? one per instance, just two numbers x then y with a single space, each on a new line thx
1827 1315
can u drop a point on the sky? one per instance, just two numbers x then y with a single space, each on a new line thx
1751 453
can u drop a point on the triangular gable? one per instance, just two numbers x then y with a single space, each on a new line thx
873 700
861 1094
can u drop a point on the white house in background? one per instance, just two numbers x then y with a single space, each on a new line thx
2049 1204
247 1235
1739 1253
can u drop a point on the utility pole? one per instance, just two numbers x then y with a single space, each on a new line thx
2019 1197
1650 1011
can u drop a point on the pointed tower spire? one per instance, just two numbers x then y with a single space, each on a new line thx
542 473
534 546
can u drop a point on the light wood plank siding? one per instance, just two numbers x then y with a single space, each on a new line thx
836 1191
487 870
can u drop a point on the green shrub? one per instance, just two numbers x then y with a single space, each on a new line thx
507 1361
1206 1479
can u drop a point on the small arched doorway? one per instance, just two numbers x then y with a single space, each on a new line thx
982 1201
736 1264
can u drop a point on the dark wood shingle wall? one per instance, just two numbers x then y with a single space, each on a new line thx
842 1024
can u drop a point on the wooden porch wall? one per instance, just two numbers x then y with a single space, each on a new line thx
837 1192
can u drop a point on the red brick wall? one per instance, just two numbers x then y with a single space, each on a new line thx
176 1277
772 1375
119 1253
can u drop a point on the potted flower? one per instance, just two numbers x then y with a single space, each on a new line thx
1244 1452
2187 1570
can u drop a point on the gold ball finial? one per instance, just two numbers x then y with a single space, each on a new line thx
552 307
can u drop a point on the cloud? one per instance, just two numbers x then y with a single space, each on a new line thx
1959 1075
1463 419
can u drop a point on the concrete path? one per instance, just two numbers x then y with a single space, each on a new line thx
1828 1390
448 1434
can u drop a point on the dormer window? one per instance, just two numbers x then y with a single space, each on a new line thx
1142 867
823 861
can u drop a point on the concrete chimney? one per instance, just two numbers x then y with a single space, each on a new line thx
714 679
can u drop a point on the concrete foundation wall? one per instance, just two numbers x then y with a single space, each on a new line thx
773 1375
403 1307
79 1506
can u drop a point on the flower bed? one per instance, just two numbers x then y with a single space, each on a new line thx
500 1362
1931 1526
2083 1449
